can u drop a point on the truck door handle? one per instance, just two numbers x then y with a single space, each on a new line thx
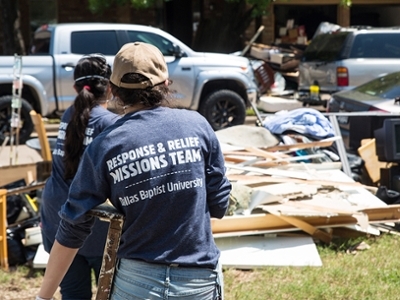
68 67
186 68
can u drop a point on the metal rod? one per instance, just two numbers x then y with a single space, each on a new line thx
340 147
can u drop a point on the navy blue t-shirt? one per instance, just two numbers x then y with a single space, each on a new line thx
55 192
164 170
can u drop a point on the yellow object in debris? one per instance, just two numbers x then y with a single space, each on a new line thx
32 202
314 91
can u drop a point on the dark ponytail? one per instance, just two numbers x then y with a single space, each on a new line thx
91 76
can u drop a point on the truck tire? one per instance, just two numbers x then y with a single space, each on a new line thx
223 108
5 116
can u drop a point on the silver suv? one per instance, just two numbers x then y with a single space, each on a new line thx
349 57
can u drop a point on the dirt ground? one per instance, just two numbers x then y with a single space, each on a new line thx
23 284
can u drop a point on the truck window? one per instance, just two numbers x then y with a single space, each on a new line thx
325 47
84 42
41 41
376 45
166 47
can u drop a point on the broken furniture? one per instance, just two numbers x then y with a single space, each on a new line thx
107 212
41 131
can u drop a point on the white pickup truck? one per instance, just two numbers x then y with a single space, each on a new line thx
219 86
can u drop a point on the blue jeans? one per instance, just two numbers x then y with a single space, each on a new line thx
77 283
138 280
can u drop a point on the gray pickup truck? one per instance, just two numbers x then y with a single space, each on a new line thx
348 57
219 86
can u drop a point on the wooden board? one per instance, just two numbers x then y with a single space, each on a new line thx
322 143
390 213
10 174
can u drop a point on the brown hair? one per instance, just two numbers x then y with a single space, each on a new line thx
159 95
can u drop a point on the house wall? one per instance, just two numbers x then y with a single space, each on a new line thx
387 10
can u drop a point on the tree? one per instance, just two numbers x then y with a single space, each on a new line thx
223 32
227 27
12 37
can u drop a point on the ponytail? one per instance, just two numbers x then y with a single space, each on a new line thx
91 82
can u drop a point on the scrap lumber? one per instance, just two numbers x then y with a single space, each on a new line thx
255 180
321 144
261 222
315 232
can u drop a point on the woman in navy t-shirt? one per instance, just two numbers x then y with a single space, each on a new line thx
79 125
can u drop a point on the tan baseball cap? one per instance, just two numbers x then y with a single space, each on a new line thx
141 58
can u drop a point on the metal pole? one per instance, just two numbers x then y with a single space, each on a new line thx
340 145
16 103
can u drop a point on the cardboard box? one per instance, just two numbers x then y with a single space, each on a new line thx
280 58
282 31
302 40
260 52
285 40
33 236
293 33
290 23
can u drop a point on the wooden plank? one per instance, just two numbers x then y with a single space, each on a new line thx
315 232
3 233
266 154
321 144
41 131
254 181
390 213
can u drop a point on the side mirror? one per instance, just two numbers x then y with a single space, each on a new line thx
177 51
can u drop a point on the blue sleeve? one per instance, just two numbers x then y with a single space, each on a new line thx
217 184
88 190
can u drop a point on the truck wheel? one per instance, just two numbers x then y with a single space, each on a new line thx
5 117
223 109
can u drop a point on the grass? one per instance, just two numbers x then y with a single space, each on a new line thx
368 274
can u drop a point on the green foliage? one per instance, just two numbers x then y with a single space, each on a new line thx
98 6
345 2
259 6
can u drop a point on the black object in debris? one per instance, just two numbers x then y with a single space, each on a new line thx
18 254
388 196
15 205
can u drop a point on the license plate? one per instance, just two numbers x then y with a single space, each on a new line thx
343 120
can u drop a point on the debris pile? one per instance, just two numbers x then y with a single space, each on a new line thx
294 189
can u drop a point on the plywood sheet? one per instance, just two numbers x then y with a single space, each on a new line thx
10 174
247 252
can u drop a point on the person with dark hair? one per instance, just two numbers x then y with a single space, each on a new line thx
163 169
80 124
